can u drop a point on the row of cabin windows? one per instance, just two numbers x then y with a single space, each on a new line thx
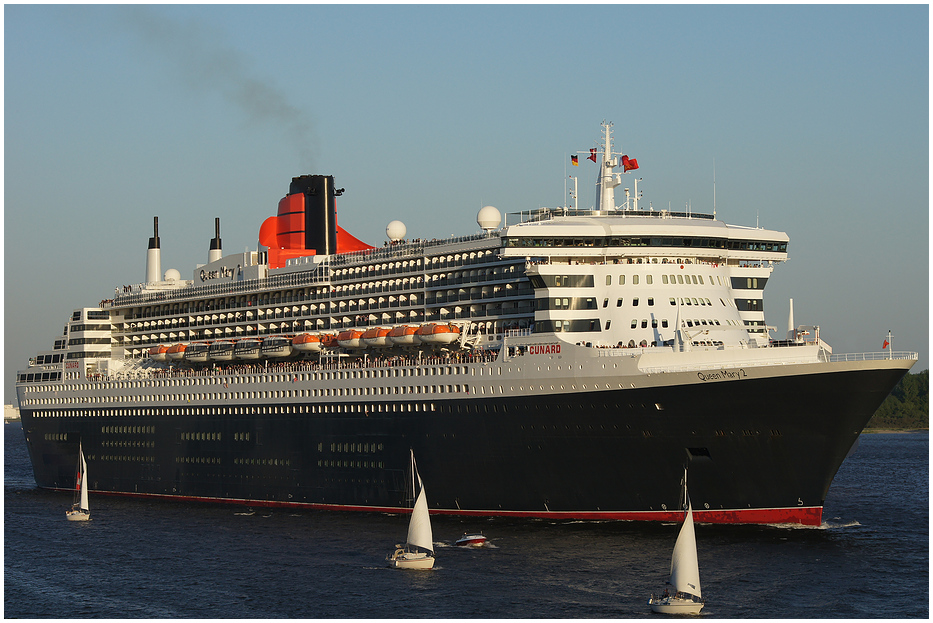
649 241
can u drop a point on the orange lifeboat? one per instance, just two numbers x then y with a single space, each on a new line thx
377 337
351 338
307 343
176 352
439 333
329 340
158 353
404 335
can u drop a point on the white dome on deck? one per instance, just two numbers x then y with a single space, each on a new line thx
489 218
396 230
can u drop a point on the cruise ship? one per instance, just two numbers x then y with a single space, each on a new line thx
567 365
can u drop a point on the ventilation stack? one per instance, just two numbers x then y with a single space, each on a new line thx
215 252
154 255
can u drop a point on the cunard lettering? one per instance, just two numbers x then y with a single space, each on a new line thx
544 349
722 375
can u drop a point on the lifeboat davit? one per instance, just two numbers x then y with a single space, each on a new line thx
329 340
222 350
377 337
351 338
439 333
404 335
197 352
176 352
158 353
307 343
247 349
276 346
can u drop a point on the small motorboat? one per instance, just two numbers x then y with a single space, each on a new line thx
469 539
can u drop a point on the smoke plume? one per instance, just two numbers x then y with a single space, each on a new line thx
204 63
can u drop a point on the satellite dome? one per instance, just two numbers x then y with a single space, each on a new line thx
172 274
489 218
396 230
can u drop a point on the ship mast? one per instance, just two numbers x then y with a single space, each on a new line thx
606 180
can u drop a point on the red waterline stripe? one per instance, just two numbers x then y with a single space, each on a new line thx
803 515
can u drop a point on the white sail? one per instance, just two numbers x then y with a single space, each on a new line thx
82 482
419 530
685 570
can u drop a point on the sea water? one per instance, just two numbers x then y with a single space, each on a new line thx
140 558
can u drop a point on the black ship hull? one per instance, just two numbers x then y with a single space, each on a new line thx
764 450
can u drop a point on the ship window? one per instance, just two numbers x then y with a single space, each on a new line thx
608 280
634 280
635 324
644 324
635 302
649 279
650 301
663 324
605 302
619 303
680 278
621 280
664 279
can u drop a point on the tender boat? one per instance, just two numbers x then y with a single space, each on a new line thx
247 349
197 352
222 350
276 346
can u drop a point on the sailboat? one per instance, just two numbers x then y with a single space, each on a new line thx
79 510
418 552
685 572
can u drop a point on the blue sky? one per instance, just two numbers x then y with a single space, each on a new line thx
817 119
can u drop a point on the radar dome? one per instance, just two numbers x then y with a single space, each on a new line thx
396 230
172 275
489 218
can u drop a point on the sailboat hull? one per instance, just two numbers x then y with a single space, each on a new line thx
412 560
675 605
78 515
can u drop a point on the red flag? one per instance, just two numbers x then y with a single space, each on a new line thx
629 164
592 155
573 160
885 345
